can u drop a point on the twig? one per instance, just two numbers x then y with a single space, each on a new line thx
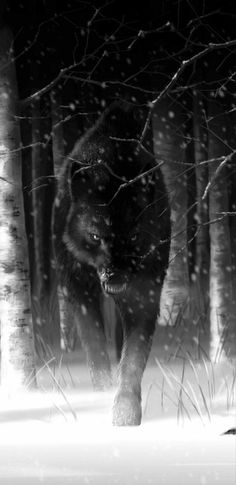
185 63
216 173
61 390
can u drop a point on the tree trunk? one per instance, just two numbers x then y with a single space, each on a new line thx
169 147
67 324
57 134
37 214
200 155
220 259
17 344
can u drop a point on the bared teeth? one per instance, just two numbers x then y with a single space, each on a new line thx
114 289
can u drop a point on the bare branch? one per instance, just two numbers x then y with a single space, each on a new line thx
144 33
46 88
134 180
185 63
218 169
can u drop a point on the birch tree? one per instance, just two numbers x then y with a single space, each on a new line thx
67 326
17 343
201 171
169 147
220 258
37 208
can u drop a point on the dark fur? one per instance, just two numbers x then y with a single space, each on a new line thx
113 240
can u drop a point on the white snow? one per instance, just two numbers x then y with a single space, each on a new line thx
63 434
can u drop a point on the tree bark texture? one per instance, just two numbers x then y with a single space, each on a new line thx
17 343
201 171
67 323
37 207
220 260
170 148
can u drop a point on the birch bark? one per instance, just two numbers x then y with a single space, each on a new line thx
169 147
17 342
220 260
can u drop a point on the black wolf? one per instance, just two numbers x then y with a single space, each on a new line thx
111 235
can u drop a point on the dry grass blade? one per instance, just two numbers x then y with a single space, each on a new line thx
164 374
160 388
34 376
162 393
232 391
181 406
70 375
199 386
61 391
210 381
193 401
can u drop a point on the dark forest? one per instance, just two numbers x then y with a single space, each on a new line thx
131 107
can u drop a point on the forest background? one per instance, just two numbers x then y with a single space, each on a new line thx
173 61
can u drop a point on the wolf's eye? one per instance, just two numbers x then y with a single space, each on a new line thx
95 238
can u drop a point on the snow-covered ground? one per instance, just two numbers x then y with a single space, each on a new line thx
63 434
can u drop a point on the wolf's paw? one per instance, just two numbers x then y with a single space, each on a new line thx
127 409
